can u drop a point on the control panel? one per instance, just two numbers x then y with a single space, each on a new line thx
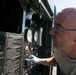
31 43
37 41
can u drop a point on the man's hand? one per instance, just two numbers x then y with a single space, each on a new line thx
33 59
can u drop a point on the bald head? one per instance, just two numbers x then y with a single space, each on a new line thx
68 12
67 15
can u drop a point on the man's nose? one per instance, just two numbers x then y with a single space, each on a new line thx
52 32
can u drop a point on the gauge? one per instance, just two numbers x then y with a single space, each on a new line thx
35 36
28 35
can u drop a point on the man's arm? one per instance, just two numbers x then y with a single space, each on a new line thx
48 61
45 61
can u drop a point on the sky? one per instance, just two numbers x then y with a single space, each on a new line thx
61 4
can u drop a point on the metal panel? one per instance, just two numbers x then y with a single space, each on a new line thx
2 51
13 54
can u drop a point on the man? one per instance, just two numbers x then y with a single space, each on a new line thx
64 40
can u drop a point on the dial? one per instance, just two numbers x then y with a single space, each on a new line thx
29 35
35 36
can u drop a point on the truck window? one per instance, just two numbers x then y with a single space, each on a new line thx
11 14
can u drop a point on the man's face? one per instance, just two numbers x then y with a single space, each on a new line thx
62 37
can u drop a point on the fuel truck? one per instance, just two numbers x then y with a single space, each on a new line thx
24 30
